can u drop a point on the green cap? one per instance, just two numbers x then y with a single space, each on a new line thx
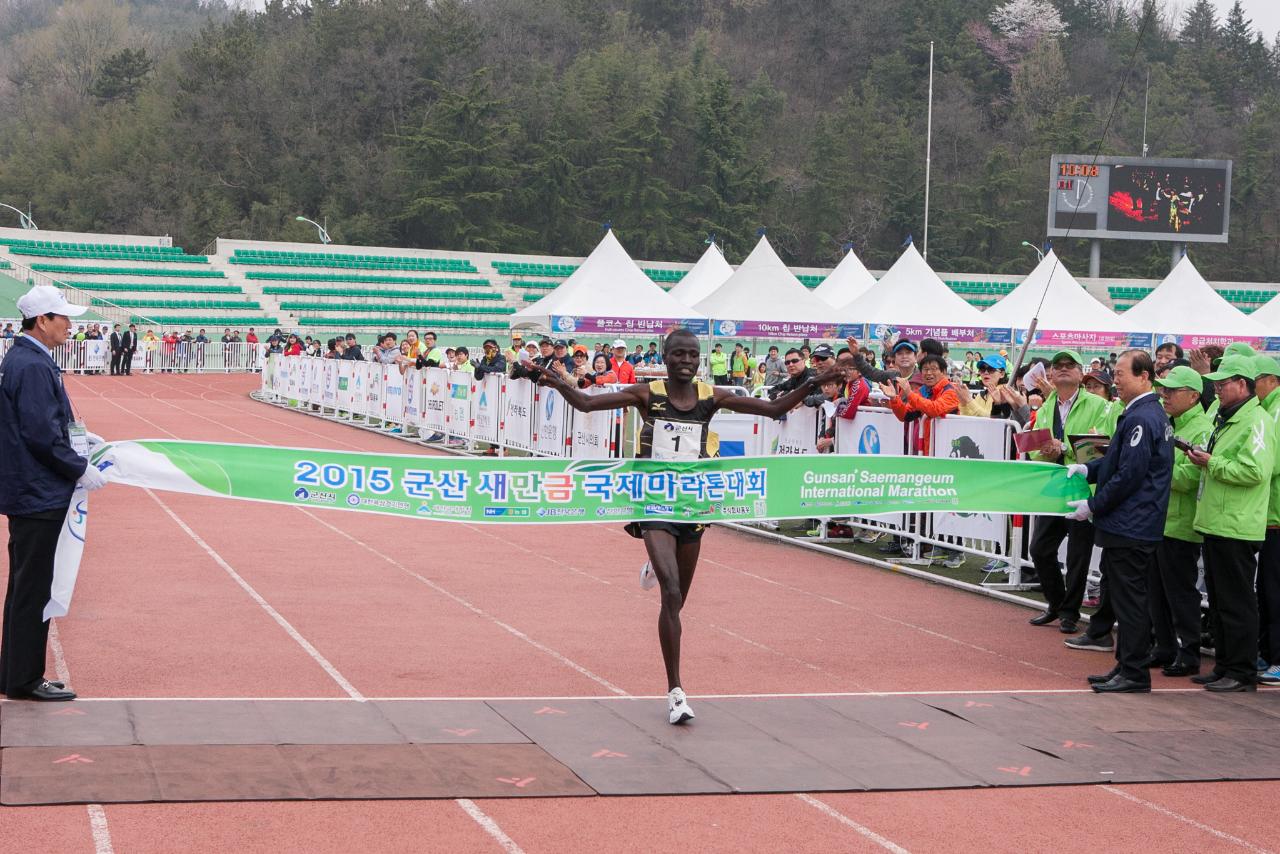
1265 366
1067 354
1183 376
1235 365
1239 348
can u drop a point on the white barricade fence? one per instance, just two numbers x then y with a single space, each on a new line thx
515 414
393 388
94 356
596 434
457 411
372 389
517 417
794 433
435 395
979 439
873 431
486 409
550 422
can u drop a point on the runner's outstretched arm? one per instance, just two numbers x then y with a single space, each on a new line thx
557 378
780 406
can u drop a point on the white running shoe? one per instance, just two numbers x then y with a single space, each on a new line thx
678 707
648 578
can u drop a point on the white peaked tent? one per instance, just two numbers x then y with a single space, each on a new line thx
1185 304
608 284
709 273
911 293
763 289
1269 316
848 281
1066 306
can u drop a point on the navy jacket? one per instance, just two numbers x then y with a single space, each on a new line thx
1133 478
38 468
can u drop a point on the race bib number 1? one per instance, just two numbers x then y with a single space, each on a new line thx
676 440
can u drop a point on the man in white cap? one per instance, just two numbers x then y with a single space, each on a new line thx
39 470
622 369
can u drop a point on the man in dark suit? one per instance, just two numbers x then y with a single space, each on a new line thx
39 471
116 349
128 346
1128 513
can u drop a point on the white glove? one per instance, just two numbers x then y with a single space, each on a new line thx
1077 470
91 479
1080 511
93 439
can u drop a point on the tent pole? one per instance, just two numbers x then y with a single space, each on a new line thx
928 155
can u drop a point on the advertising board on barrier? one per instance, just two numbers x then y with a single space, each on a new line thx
796 432
593 432
346 370
393 383
517 417
533 490
457 411
739 434
413 397
971 439
550 416
329 395
485 409
435 397
873 432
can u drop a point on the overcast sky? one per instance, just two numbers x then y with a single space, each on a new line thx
1265 15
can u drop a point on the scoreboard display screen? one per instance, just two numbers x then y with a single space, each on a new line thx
1136 198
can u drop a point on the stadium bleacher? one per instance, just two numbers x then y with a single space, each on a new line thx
277 258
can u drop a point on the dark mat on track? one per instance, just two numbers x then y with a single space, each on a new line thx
120 751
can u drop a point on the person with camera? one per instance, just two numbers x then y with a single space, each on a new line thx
1236 466
1172 591
676 414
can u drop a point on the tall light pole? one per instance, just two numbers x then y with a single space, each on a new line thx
324 235
1034 247
23 219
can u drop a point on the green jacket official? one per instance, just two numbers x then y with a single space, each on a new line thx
1194 427
1236 483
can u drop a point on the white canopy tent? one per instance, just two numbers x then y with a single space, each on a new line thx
1066 304
910 293
1269 316
608 284
1185 304
848 281
763 289
701 281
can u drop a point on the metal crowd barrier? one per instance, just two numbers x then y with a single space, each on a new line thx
156 357
503 415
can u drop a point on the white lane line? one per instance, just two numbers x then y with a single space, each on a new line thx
862 830
490 826
1212 831
266 606
480 612
97 815
101 833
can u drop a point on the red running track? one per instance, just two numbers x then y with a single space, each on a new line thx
183 596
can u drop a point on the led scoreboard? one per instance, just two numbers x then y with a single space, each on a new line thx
1138 198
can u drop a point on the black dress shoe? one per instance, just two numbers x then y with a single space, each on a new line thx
1068 626
1181 668
1120 685
1098 679
45 692
1044 618
1227 684
1205 679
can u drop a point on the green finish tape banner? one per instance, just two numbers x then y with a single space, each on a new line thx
535 490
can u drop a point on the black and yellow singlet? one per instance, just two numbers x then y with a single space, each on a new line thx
670 433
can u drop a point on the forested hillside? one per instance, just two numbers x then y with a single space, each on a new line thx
522 125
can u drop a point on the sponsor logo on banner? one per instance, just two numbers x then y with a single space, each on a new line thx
513 512
869 440
565 323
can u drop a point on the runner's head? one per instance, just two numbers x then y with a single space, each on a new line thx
680 353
